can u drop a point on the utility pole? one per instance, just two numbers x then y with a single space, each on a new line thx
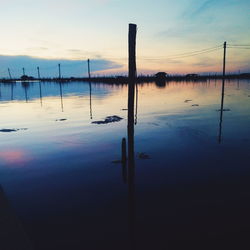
59 69
222 90
223 76
38 73
9 73
24 71
89 68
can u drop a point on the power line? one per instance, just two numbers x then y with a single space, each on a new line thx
174 55
232 47
188 55
239 45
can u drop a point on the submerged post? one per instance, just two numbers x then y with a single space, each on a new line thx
38 73
9 73
59 70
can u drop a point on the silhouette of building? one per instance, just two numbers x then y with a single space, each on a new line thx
27 78
161 75
161 78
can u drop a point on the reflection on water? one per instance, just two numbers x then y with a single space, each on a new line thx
59 173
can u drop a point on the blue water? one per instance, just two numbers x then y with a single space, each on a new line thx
65 183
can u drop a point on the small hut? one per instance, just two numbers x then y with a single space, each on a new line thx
161 75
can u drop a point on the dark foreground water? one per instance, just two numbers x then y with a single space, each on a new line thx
62 176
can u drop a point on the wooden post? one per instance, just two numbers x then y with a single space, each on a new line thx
131 89
89 68
38 73
9 73
59 69
131 160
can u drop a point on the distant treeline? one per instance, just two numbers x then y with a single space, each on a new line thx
140 78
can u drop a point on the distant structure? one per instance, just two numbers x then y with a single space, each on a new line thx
27 78
161 78
161 75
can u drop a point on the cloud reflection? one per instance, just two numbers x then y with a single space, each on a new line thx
14 157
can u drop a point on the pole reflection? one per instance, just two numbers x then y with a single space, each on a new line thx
90 100
40 93
61 95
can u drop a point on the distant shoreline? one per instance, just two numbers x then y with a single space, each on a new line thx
124 79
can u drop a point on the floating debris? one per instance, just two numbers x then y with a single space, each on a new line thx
61 120
188 100
195 105
124 109
144 156
9 130
109 119
249 96
223 110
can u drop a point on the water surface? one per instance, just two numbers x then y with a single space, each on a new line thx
62 175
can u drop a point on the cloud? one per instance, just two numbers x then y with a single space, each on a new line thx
49 67
210 21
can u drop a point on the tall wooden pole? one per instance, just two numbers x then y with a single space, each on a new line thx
131 88
59 70
222 90
131 160
9 73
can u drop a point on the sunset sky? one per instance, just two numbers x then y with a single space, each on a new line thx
47 32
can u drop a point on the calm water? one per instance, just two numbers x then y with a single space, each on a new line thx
62 177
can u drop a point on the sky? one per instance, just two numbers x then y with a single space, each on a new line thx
48 32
